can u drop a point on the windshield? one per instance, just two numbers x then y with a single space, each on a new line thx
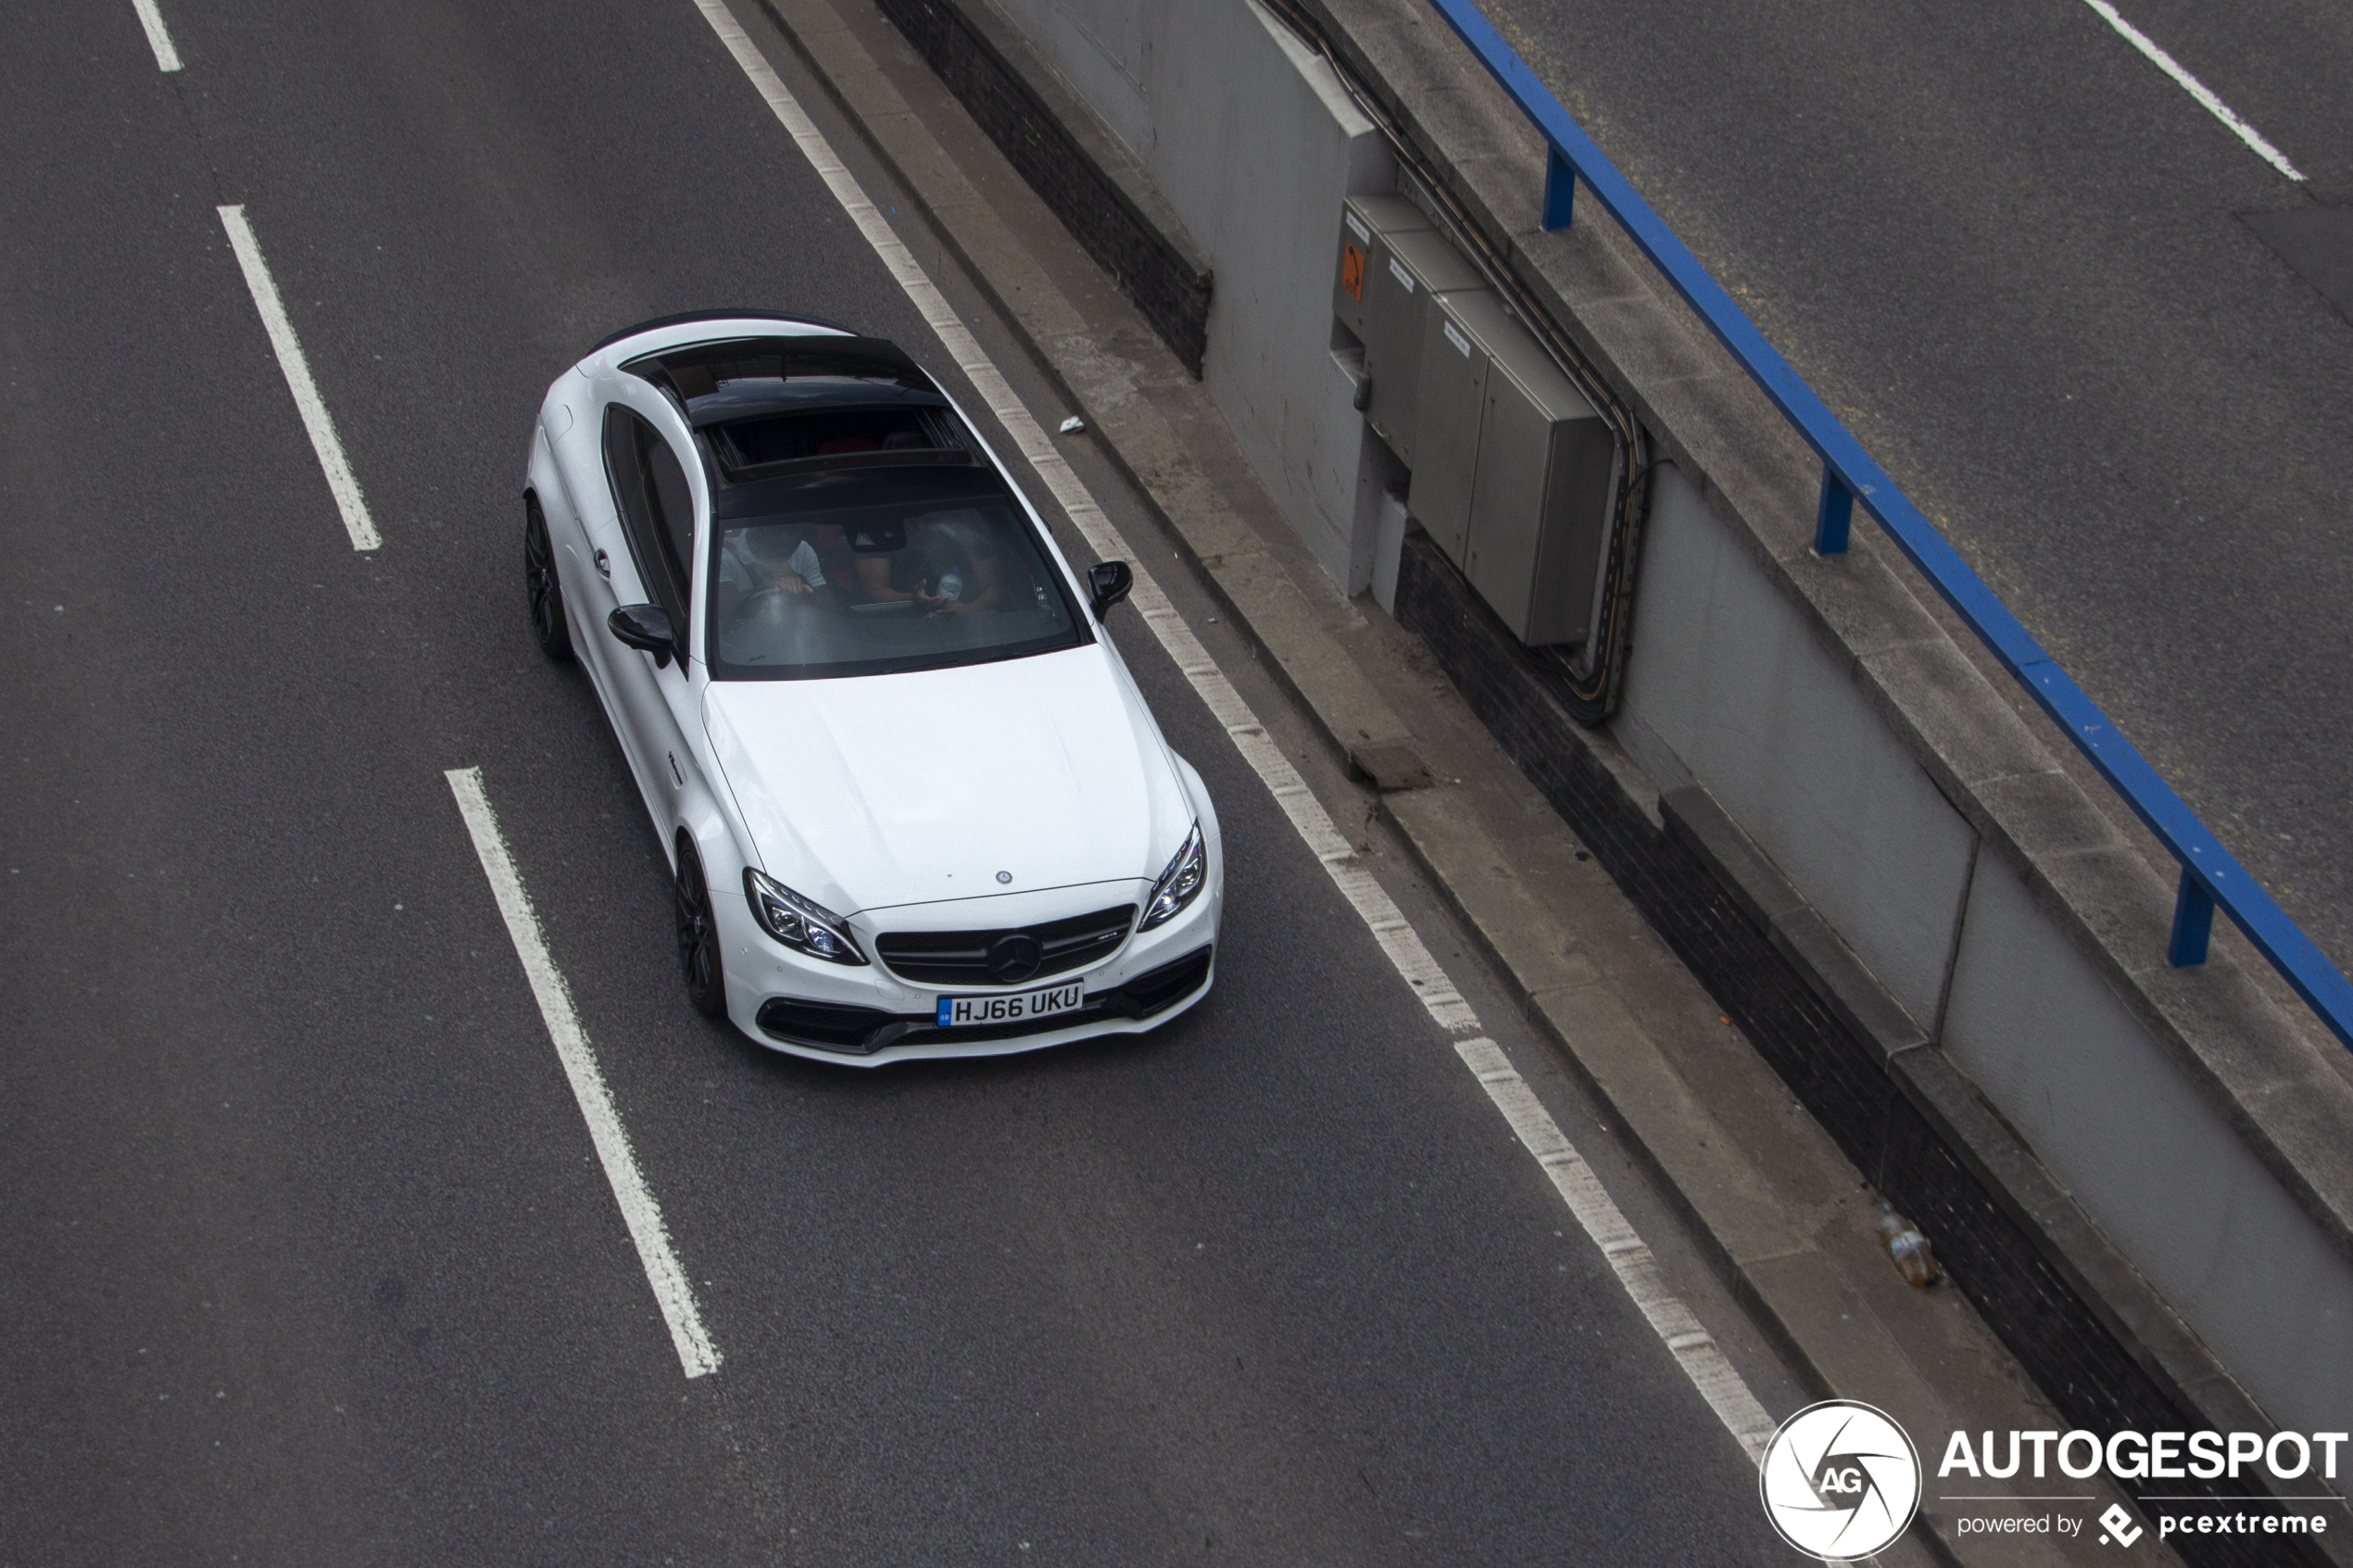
864 572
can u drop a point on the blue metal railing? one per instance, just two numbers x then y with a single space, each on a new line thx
2210 876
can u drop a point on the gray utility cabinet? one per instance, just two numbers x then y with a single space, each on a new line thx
1513 468
1405 262
1365 226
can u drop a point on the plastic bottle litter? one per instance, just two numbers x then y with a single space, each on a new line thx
1914 1258
1073 425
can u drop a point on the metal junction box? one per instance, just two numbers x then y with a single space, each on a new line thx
1515 469
1366 225
1451 403
1397 291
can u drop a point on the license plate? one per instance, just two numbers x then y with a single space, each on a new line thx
960 1012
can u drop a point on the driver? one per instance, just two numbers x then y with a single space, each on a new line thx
786 560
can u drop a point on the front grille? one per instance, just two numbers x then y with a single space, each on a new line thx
964 958
856 1031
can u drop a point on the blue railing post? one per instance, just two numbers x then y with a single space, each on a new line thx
2193 922
1831 520
1560 189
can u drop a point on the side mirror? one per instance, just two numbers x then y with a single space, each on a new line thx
646 627
1109 580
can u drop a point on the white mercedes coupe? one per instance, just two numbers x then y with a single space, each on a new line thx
915 805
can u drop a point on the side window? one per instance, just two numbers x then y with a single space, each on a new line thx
657 508
674 508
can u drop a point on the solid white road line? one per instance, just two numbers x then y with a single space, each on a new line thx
2196 89
697 1354
323 441
1698 1354
166 57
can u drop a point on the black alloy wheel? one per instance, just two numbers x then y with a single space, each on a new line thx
699 963
546 594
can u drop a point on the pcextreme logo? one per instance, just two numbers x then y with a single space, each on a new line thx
2119 1526
1840 1480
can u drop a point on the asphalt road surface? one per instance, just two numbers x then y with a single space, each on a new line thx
2013 254
308 1258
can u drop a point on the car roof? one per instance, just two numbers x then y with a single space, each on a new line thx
744 377
690 318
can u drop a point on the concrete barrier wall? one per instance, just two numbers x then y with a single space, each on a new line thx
1740 690
1818 703
1253 140
2125 1124
1735 690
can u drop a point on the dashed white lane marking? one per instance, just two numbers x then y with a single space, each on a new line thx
1702 1359
2196 89
315 418
159 37
697 1354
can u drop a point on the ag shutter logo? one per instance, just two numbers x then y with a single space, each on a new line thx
1840 1480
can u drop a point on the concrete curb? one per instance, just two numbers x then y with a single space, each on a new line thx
2041 1212
2042 1275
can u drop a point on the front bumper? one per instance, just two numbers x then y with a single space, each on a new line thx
860 1031
865 1015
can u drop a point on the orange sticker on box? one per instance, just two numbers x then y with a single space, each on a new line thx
1352 271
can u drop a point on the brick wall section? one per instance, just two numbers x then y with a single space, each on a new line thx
1870 1104
1169 287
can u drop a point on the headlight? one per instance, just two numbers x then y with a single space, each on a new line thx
802 924
1179 884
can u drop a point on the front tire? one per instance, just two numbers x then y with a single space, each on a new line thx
699 962
544 591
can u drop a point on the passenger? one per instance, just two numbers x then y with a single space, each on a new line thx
948 567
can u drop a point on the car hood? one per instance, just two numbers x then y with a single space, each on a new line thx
868 792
